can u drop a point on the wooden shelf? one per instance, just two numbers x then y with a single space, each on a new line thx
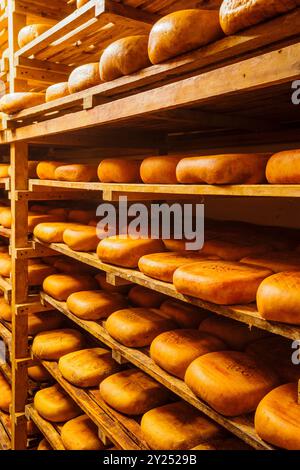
5 334
49 431
6 288
5 232
5 369
112 191
241 426
4 439
109 429
247 314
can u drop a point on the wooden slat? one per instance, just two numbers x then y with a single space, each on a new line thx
6 371
241 426
4 439
46 428
5 334
247 314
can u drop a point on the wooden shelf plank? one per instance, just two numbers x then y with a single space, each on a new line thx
244 313
5 443
5 369
241 426
112 191
110 428
5 334
46 428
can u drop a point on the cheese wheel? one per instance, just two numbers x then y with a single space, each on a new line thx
37 272
104 285
123 57
71 266
36 218
51 345
5 217
235 334
81 434
14 102
142 297
231 382
44 445
94 305
83 238
5 264
223 169
220 282
137 327
4 170
132 392
276 261
46 170
125 251
284 167
278 297
81 216
119 170
175 245
60 286
174 350
87 367
177 426
5 394
163 265
277 417
5 309
83 77
236 15
60 211
55 405
38 373
229 443
185 315
56 91
52 232
31 32
267 349
176 34
159 170
76 172
233 251
44 321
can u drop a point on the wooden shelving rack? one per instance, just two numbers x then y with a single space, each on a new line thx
233 95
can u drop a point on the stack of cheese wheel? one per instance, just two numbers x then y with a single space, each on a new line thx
54 405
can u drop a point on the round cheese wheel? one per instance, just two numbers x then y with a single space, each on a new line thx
176 34
177 426
231 382
31 32
132 392
123 57
83 77
104 285
76 172
277 261
5 264
235 334
159 170
83 238
5 217
4 170
14 102
119 170
81 434
236 15
52 232
233 251
267 349
95 305
71 266
220 282
142 297
223 169
137 327
278 297
56 91
5 394
185 315
51 345
44 445
37 272
81 216
60 286
46 170
163 265
38 373
35 218
174 350
284 168
44 321
55 405
277 417
60 211
124 251
87 367
5 310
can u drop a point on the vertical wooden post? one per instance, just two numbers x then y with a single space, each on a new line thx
19 239
16 21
